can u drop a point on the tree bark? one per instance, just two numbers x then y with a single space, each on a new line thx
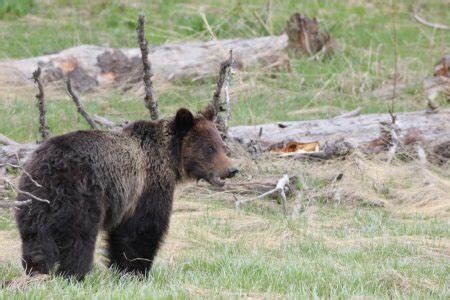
357 130
92 66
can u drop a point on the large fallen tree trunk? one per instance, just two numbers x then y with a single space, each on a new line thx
356 130
92 66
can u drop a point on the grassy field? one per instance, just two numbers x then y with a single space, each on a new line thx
328 252
363 29
332 250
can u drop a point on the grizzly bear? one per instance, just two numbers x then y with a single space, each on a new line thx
122 183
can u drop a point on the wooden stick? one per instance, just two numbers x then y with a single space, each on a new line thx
422 155
394 89
393 149
80 107
225 74
23 192
354 113
24 171
429 24
282 182
43 125
11 204
220 81
110 125
228 77
150 101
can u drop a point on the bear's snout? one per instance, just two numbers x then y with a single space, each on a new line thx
231 172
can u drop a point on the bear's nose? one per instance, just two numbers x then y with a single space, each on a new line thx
232 172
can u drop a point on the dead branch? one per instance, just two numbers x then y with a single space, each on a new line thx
354 113
225 74
110 125
230 72
426 23
150 101
43 125
10 183
393 148
279 188
394 90
7 141
79 106
14 204
421 154
23 170
252 187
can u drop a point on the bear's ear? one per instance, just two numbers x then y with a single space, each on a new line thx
209 112
184 121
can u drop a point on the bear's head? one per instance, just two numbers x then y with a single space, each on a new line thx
203 153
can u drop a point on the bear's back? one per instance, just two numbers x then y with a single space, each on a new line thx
105 167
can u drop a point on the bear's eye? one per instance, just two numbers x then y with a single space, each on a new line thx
210 150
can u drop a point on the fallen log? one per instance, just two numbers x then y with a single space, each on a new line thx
16 154
90 67
356 130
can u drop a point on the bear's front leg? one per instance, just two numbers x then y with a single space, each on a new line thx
133 244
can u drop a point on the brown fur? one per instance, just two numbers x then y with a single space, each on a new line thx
120 182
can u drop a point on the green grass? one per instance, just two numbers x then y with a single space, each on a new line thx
12 8
333 253
329 252
364 59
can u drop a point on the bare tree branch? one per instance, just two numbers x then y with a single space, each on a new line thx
220 81
8 181
394 90
225 75
23 170
110 125
426 23
393 148
282 182
150 101
43 125
80 107
15 204
354 113
228 77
